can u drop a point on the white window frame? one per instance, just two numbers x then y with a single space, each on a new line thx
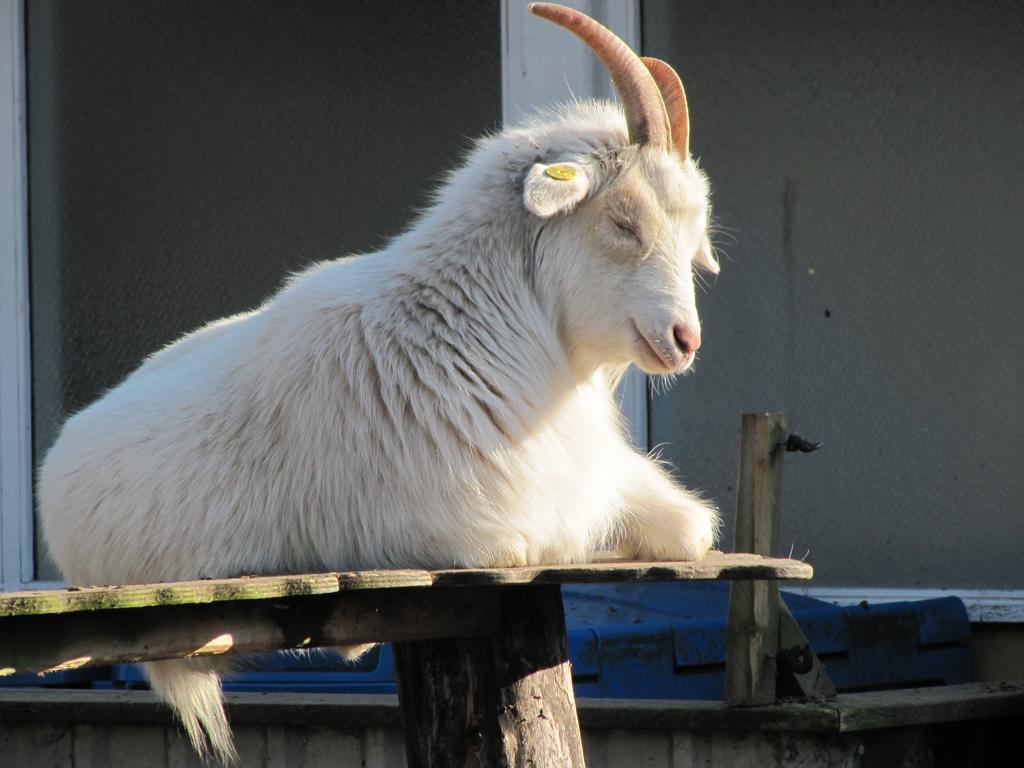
532 53
16 525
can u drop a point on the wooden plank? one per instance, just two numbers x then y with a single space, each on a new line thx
67 641
384 579
752 636
752 639
322 747
698 715
798 665
714 566
849 712
141 746
170 593
384 748
47 705
595 748
992 742
925 706
91 745
759 485
277 746
499 701
651 749
250 741
44 744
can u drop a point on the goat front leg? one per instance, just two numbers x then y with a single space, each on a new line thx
661 520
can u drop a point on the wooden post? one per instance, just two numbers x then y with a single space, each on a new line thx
498 701
752 639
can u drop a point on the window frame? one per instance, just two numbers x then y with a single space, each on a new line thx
530 53
17 569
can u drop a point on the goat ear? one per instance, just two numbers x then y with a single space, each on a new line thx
556 188
705 258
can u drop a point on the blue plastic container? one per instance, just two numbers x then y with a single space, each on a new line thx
667 641
71 678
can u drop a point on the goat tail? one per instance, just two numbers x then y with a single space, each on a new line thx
354 652
192 688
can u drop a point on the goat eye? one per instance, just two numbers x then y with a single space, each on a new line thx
626 230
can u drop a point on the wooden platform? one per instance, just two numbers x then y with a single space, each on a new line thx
51 630
715 566
495 634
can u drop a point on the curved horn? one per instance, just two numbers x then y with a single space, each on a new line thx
645 111
675 102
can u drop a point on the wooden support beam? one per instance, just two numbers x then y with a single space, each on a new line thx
767 654
800 671
499 701
67 641
753 629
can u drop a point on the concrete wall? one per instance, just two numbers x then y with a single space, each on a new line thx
867 162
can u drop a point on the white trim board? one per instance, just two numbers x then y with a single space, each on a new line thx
986 606
16 529
542 65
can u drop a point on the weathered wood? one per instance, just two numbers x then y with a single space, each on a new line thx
759 485
752 640
850 712
67 641
704 715
169 593
50 745
753 626
714 566
939 704
800 671
957 745
500 701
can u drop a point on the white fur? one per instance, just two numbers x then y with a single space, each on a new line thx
445 402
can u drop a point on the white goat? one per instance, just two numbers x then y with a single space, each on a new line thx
445 402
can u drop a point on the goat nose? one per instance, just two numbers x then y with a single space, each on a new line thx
687 337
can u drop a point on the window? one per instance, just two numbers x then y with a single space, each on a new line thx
185 157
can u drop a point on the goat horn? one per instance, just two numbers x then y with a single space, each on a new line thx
675 102
645 111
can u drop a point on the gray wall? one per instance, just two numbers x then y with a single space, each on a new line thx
867 162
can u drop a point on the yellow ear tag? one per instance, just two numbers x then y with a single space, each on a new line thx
561 172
